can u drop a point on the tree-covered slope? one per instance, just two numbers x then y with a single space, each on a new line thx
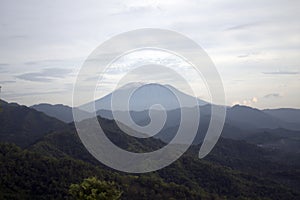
51 161
23 126
26 174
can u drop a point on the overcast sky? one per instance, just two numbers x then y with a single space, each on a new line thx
255 45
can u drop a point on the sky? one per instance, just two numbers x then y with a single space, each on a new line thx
255 45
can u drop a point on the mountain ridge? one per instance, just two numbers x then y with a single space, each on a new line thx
233 170
23 125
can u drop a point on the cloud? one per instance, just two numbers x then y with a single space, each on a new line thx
130 8
254 100
4 82
36 77
41 62
18 37
272 95
246 102
243 56
45 75
282 73
248 55
243 26
135 10
3 65
229 37
14 95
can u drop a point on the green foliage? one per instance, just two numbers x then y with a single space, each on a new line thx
49 165
24 126
26 174
94 189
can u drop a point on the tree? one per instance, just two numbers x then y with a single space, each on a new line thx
94 189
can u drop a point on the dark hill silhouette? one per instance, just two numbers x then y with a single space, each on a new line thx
54 157
23 126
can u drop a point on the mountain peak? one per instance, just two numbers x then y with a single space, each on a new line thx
131 85
146 94
238 106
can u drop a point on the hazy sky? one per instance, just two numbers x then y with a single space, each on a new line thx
255 45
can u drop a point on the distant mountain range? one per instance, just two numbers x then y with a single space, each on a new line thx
60 111
149 94
286 114
271 128
52 157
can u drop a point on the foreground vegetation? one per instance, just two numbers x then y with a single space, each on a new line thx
43 158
